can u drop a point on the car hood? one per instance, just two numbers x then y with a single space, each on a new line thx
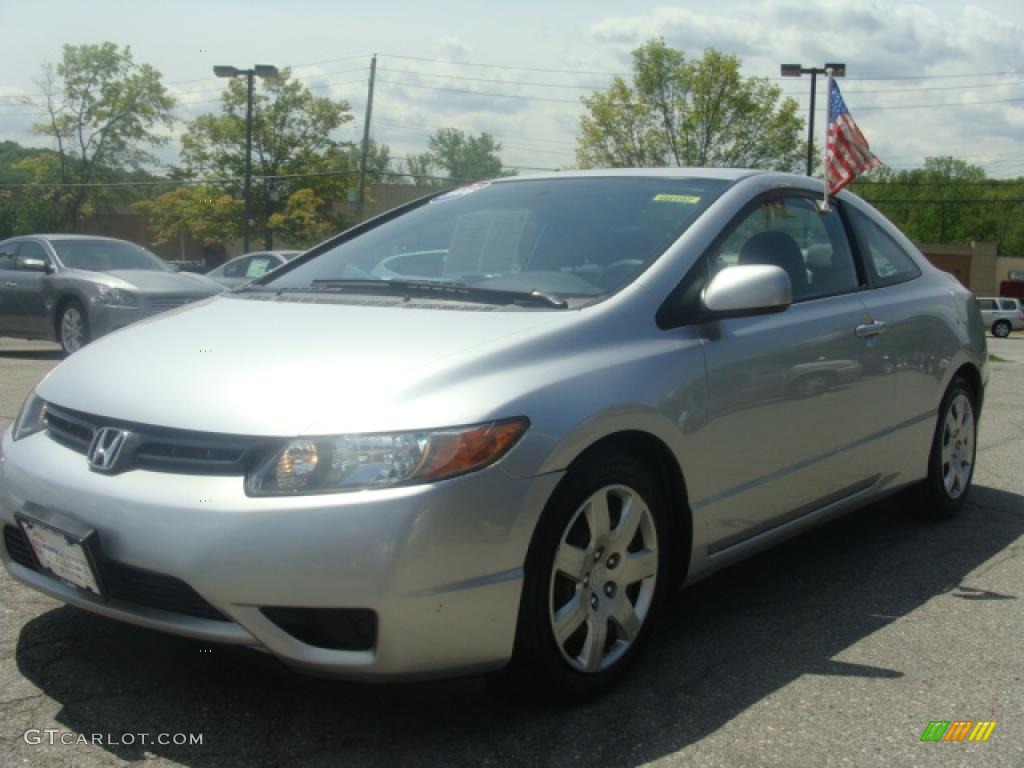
151 281
276 368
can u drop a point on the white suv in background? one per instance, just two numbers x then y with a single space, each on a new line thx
1002 315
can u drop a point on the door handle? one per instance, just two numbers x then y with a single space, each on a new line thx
870 329
11 284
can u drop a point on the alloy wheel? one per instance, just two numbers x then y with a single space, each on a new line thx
957 446
72 329
603 578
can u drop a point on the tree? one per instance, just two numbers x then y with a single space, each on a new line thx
291 134
419 168
207 214
948 201
680 112
102 109
464 157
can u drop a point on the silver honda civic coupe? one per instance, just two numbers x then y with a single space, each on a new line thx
518 414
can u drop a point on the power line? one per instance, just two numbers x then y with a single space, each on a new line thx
500 66
481 93
491 80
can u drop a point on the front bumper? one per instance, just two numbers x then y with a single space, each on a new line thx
440 565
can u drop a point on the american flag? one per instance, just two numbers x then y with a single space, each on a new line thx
847 149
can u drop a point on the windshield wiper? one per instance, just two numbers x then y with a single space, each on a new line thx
436 290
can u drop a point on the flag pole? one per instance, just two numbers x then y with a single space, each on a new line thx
828 127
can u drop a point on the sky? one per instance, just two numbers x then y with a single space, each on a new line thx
942 78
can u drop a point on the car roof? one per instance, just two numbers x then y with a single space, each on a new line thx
723 174
73 236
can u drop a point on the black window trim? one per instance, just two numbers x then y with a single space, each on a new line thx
680 308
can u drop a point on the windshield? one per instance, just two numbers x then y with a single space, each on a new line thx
573 237
106 255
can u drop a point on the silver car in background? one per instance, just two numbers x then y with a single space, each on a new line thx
520 413
75 288
241 269
1001 315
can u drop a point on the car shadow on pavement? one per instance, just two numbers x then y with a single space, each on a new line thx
722 646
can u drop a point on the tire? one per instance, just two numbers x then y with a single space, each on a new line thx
575 575
73 327
1001 329
954 449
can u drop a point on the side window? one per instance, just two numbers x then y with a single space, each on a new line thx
884 256
987 304
237 268
32 250
792 233
1007 304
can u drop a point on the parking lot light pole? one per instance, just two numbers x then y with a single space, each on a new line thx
260 70
795 70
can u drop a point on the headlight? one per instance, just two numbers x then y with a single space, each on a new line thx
352 462
30 418
115 297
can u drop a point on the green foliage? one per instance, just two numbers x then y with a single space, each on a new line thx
689 112
208 214
102 110
948 201
462 156
291 134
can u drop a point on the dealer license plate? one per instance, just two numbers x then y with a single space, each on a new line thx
62 555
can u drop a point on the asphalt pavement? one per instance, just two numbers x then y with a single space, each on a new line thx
835 649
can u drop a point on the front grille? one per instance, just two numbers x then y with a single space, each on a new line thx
18 548
127 583
159 449
163 303
154 590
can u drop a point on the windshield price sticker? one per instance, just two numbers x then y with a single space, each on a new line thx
687 199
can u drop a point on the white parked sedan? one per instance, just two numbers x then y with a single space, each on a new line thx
241 269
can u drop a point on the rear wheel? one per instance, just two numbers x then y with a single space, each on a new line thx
954 448
1001 329
595 575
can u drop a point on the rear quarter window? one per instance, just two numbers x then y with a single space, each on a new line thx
883 256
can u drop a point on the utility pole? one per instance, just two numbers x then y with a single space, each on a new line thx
250 75
795 70
366 139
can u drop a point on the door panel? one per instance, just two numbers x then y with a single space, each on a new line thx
786 406
30 292
789 404
10 310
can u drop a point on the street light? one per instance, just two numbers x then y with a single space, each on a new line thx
795 70
260 70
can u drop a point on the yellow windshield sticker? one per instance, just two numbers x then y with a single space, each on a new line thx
691 199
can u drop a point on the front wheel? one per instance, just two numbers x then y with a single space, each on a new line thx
595 575
1001 329
73 327
954 449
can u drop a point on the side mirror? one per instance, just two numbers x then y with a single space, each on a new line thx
747 289
31 264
